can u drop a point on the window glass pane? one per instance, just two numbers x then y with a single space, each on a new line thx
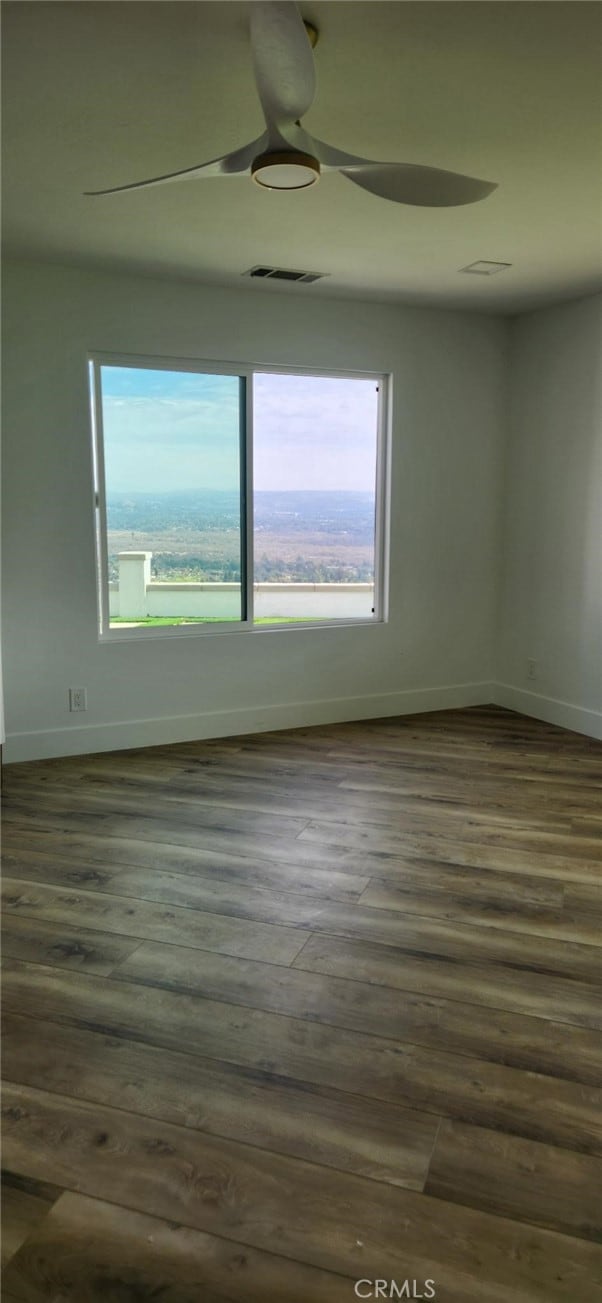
173 502
314 501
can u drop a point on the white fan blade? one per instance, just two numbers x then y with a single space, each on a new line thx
228 165
283 61
334 160
405 183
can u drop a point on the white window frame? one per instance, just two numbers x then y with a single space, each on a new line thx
245 372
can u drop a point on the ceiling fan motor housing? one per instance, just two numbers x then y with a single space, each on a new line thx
285 170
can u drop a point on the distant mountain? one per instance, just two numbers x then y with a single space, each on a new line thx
324 512
192 510
297 510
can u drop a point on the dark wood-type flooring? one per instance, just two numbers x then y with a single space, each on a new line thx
286 1012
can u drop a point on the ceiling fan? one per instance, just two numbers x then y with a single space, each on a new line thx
286 157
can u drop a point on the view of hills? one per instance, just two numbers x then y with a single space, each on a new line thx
304 536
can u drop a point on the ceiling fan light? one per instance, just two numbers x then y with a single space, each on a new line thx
290 170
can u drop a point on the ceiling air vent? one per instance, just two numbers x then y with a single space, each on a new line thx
281 274
485 268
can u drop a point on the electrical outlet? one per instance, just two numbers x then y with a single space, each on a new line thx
78 699
531 669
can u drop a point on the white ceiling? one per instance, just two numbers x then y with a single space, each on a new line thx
100 94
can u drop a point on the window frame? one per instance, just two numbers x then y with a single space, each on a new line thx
245 371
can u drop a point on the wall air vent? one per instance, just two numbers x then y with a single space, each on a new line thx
484 268
281 274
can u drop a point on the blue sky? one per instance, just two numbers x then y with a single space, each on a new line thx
172 430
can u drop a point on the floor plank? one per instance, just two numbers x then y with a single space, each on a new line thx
517 1178
356 804
24 1205
543 1108
205 915
561 840
528 992
318 1216
224 851
192 817
83 862
399 912
90 1251
142 918
121 837
68 947
508 901
385 1142
535 1044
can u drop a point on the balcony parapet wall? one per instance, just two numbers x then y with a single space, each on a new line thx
136 597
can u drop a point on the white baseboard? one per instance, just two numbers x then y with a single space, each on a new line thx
86 739
549 709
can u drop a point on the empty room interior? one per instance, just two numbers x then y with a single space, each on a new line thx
302 651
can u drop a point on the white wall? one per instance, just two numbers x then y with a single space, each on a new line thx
447 447
551 608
